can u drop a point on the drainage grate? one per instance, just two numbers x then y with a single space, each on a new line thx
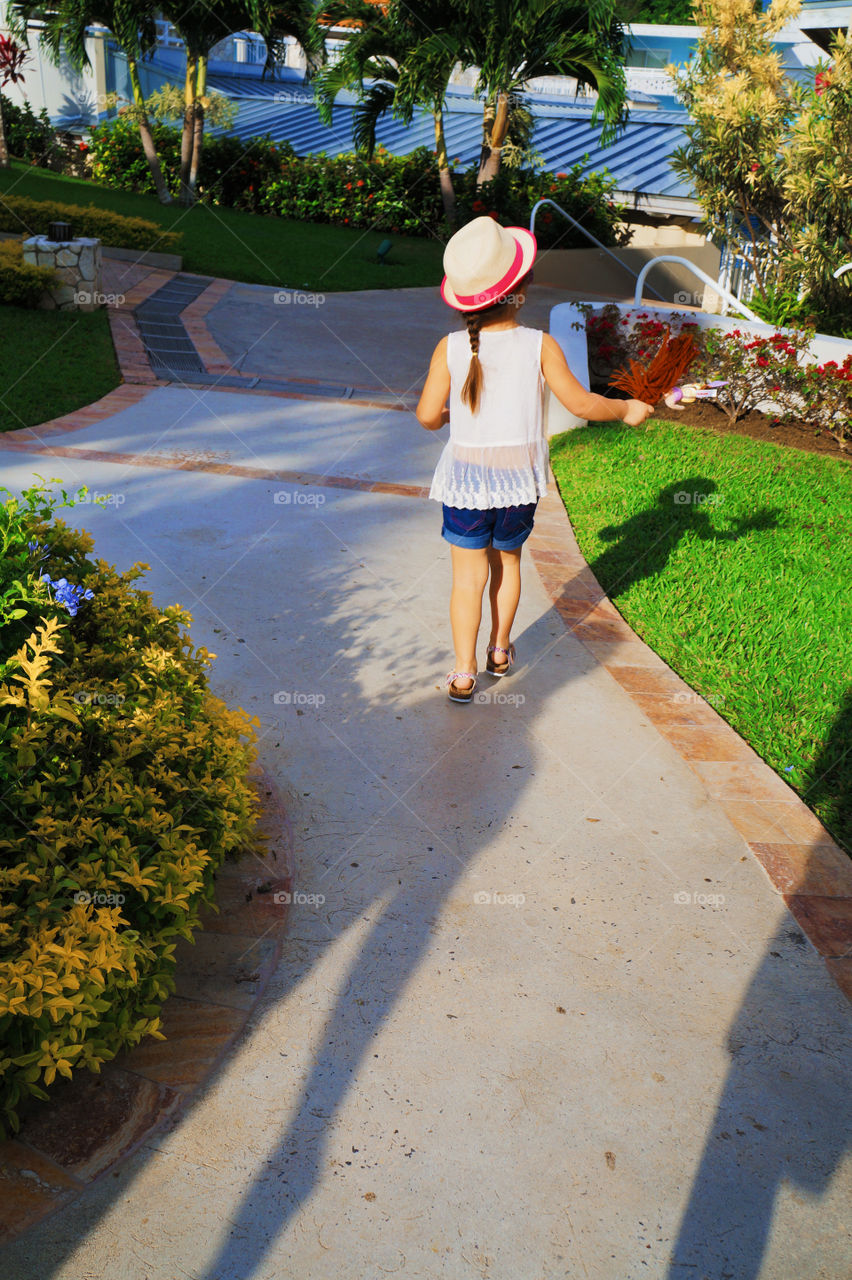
170 348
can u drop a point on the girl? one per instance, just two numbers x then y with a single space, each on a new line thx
493 468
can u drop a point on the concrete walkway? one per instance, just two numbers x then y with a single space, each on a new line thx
540 1013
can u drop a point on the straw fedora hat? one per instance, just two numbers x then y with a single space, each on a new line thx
483 261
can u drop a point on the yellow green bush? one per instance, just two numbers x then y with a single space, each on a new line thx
21 283
113 229
125 787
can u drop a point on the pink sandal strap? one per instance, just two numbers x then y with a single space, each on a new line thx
461 675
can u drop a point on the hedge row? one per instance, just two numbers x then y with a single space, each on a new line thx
31 217
124 784
400 194
21 283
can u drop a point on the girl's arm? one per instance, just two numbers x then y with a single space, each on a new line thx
577 400
431 409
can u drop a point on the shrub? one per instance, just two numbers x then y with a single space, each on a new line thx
825 393
753 369
112 229
400 194
28 136
21 283
124 789
512 194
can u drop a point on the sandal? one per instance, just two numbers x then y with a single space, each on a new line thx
460 695
499 669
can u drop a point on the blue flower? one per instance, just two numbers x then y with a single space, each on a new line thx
67 594
35 549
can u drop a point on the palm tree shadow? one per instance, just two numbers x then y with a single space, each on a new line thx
777 1125
643 543
733 1193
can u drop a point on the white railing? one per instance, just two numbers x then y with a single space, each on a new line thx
724 293
579 226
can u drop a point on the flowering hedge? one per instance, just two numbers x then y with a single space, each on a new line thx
755 368
124 784
400 194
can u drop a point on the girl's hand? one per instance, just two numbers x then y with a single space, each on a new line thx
636 413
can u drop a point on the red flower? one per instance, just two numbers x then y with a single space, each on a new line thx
360 182
562 175
762 361
82 146
478 206
823 81
349 186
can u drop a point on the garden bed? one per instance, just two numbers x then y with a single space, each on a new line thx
755 425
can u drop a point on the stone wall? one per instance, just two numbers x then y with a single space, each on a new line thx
78 266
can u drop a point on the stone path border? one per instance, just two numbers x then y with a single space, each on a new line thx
94 1121
801 860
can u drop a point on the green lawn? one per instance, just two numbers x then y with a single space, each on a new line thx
745 593
53 362
254 249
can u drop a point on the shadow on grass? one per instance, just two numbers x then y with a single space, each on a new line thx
643 543
829 783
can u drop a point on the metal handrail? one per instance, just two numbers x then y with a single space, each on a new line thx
587 234
724 293
847 266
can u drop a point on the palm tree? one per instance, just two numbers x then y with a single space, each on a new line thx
203 23
511 42
377 61
131 22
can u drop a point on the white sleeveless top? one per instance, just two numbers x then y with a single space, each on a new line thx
498 456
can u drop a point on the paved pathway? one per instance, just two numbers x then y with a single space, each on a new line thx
540 1012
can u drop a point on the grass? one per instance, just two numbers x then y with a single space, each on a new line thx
744 594
53 362
245 246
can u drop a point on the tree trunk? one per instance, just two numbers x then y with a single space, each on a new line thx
488 115
4 150
492 151
198 124
187 135
448 195
163 193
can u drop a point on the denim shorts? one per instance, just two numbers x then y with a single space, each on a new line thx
504 528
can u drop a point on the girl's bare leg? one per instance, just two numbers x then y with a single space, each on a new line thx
504 593
470 574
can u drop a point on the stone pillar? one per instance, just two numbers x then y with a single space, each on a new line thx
78 267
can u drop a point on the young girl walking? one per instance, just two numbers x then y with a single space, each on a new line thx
493 468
